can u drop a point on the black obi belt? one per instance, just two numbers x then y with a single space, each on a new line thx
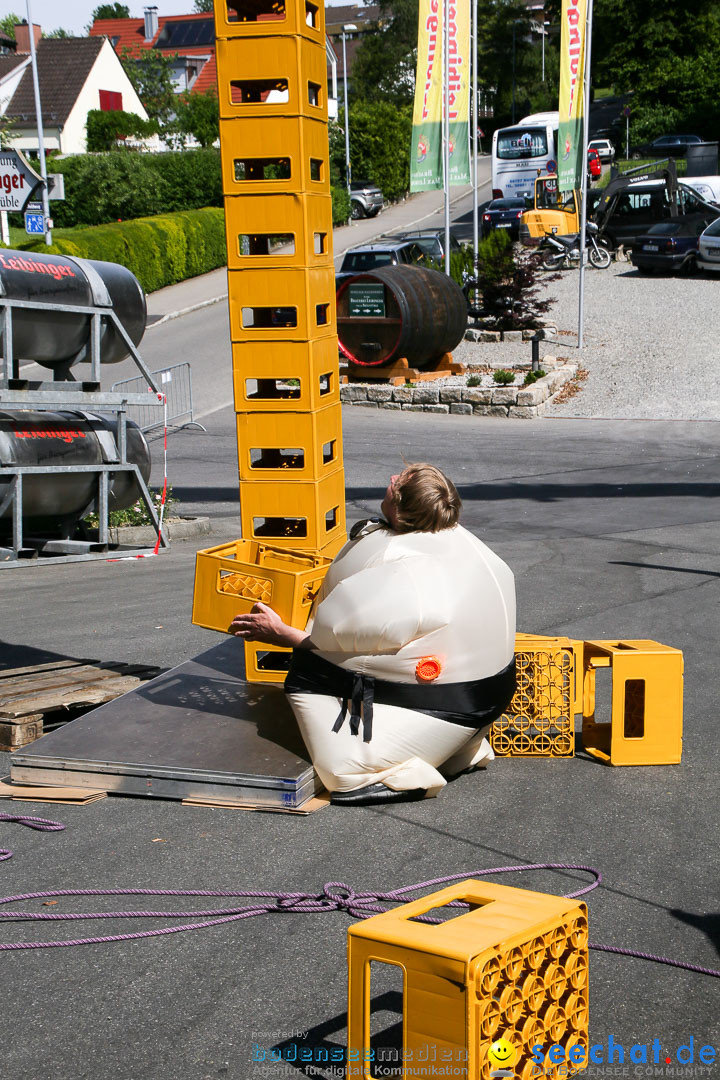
469 704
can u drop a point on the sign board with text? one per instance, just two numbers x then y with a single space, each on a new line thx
366 301
17 180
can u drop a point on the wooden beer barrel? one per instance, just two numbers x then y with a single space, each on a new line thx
400 311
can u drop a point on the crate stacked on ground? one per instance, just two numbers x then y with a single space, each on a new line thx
272 86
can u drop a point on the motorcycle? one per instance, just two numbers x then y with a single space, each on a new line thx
561 252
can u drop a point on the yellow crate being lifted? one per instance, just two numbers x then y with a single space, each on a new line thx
231 578
512 966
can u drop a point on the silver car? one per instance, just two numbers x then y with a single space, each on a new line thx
708 252
366 199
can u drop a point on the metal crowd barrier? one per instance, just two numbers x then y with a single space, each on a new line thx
176 383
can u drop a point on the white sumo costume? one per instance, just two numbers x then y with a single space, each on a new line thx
388 601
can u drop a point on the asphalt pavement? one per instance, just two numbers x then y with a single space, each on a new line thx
611 529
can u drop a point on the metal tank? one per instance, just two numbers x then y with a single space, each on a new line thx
61 439
62 338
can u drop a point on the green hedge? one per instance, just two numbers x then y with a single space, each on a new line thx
159 250
340 205
120 185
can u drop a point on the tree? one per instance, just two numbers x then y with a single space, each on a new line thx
151 75
668 56
111 11
198 115
59 33
203 5
385 62
8 24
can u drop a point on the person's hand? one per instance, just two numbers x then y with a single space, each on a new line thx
265 625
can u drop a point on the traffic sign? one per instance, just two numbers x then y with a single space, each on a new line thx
17 180
35 224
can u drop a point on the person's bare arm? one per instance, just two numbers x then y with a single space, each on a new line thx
265 625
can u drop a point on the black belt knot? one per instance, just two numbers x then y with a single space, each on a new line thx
361 697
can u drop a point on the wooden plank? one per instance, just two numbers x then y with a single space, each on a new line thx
52 665
11 694
90 693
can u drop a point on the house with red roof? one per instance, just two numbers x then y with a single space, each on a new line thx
188 39
75 75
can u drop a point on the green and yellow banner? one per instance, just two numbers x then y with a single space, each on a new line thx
572 99
426 160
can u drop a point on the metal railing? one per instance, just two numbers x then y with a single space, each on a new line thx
176 383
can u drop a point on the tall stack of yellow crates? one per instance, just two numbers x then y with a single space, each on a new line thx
272 86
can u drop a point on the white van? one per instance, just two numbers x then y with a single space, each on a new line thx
707 187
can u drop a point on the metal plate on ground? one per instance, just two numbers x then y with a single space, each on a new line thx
197 730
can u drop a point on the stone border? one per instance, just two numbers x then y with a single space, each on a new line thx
184 529
516 402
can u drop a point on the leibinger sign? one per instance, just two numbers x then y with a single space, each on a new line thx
17 180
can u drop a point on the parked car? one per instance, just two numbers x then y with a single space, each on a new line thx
666 146
708 253
504 214
366 199
605 149
432 241
594 165
669 245
368 257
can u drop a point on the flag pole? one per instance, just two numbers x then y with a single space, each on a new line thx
446 130
584 174
473 113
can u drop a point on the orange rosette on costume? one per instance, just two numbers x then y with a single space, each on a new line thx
428 668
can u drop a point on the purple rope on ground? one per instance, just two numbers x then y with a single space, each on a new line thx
336 896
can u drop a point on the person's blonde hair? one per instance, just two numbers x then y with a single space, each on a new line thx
425 500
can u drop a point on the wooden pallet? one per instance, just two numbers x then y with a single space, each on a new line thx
35 699
399 371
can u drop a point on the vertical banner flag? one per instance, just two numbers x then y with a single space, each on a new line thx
572 103
426 158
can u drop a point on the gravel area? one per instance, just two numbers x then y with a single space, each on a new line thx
651 348
651 345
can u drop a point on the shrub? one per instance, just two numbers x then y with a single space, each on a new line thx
104 128
533 376
340 205
503 377
159 250
100 188
510 297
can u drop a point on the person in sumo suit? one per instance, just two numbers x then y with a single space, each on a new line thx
408 655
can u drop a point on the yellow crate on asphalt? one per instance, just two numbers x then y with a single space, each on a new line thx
513 965
231 578
254 17
646 712
288 155
289 445
285 376
539 721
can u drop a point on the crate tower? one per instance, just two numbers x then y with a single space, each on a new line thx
272 88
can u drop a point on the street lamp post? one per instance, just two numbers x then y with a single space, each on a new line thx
347 28
544 33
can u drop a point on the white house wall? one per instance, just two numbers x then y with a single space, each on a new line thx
107 73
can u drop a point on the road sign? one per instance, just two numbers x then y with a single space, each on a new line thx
33 207
17 180
35 224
